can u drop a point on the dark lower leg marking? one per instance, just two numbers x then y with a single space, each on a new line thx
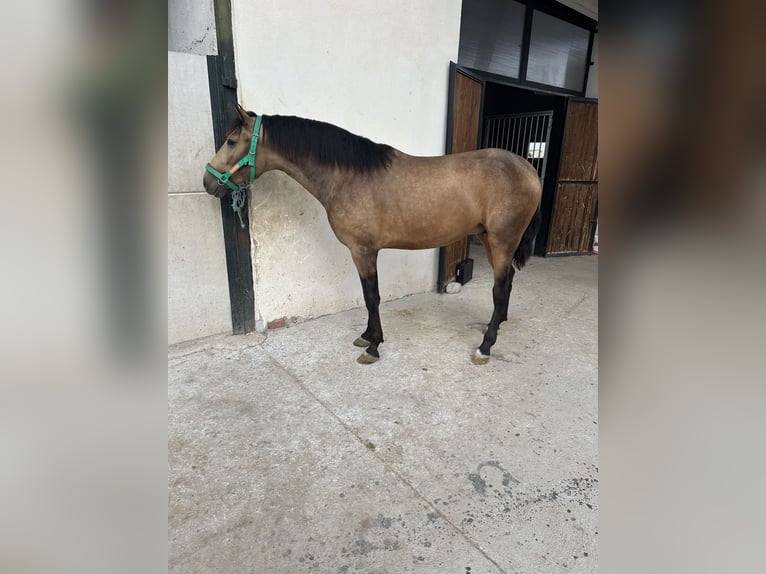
501 293
373 336
507 294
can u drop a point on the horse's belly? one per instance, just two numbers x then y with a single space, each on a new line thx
423 230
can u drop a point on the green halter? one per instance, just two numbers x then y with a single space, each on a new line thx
249 159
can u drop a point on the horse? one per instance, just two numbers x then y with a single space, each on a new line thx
378 197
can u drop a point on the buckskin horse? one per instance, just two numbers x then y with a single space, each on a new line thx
378 197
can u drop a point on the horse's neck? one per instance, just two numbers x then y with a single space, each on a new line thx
317 179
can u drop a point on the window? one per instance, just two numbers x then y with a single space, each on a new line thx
513 39
491 34
558 52
536 150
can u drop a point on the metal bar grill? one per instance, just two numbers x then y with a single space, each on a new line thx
527 135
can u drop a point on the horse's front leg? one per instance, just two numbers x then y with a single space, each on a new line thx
366 262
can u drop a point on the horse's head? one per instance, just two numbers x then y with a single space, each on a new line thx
234 162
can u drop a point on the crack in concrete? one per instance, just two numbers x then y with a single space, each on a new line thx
576 305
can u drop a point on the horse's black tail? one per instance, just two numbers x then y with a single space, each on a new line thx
524 250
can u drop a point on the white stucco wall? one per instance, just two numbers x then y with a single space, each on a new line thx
198 292
191 27
378 69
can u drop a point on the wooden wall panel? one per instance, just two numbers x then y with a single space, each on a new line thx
467 113
573 219
574 211
579 159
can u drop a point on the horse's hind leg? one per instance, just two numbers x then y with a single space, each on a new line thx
483 237
503 272
366 265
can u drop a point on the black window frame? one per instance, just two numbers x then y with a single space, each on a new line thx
563 13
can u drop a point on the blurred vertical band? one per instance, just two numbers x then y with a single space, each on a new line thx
82 229
681 229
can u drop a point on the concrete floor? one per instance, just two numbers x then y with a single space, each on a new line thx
287 456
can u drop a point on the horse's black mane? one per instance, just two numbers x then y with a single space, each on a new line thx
298 138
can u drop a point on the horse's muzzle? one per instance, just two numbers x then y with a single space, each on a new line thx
213 185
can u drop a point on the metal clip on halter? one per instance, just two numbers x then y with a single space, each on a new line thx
238 197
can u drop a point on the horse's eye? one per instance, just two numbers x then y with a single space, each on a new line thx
231 142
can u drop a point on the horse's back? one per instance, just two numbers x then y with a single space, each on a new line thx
512 163
495 171
490 182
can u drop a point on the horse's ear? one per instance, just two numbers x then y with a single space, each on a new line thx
242 113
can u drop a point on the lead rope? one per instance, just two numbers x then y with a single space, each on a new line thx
238 199
239 195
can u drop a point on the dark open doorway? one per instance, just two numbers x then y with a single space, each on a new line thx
540 119
531 124
530 60
552 131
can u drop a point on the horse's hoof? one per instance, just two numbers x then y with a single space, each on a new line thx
366 359
360 342
479 359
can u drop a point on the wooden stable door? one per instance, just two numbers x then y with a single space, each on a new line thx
466 94
574 212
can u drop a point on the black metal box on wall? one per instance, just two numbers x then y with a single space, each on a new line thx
464 271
